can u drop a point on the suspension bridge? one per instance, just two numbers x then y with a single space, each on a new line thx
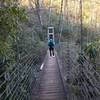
51 83
58 77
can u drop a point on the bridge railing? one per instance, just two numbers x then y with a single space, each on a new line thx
82 78
17 81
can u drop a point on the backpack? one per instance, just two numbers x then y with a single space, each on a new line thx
51 43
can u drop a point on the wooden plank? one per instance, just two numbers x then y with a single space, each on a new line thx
51 87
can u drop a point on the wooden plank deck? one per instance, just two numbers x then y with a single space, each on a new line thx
51 85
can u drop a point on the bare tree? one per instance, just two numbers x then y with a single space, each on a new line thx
37 5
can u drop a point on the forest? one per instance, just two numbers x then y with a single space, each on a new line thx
23 44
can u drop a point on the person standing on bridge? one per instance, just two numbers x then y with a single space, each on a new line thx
51 45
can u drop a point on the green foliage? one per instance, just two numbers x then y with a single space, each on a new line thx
91 49
9 20
11 16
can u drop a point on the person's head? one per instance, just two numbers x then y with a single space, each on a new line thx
51 36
